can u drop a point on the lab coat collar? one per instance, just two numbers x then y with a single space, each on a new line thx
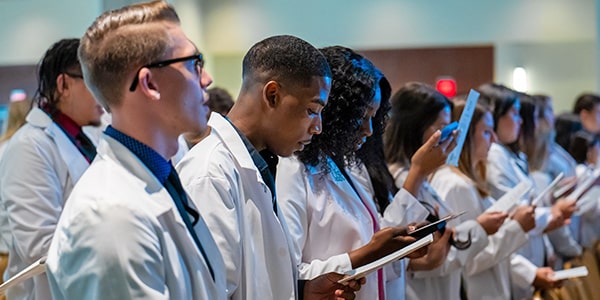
111 149
232 140
74 160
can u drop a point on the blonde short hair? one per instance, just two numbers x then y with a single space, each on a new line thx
121 41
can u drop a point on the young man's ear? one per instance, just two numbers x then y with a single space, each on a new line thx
61 84
271 93
148 85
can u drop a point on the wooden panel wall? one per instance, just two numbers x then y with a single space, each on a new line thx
469 66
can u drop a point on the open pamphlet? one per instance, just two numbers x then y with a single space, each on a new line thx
430 228
583 182
374 266
34 269
463 127
584 185
570 273
511 199
538 200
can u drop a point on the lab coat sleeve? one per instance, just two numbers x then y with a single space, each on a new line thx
522 271
457 259
107 253
32 193
293 194
509 238
403 210
563 242
217 194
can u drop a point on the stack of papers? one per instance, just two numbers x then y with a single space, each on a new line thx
511 199
374 266
584 185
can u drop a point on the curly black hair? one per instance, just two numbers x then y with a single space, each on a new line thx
352 90
371 153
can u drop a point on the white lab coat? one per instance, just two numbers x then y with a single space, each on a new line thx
223 181
324 207
403 209
38 170
488 274
121 237
442 282
586 221
503 173
5 233
560 161
560 243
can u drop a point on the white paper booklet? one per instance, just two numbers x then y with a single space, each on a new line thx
463 127
374 266
584 186
538 200
570 273
34 269
511 199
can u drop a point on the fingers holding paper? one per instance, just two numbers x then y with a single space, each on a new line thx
326 287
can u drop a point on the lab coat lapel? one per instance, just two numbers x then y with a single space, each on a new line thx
74 160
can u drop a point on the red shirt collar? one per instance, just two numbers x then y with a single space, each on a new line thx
66 123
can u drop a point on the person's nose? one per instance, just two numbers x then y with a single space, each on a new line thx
205 79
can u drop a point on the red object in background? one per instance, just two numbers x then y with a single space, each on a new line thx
446 86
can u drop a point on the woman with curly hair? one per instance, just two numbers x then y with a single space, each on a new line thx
334 221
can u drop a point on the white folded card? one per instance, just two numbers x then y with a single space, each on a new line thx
34 269
570 273
511 198
538 200
584 186
463 127
374 266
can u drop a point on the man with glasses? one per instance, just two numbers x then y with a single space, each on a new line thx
43 161
128 230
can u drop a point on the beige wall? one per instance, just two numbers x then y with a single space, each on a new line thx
555 39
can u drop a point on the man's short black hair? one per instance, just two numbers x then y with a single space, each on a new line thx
284 58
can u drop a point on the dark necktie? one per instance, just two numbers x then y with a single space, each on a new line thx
85 146
175 189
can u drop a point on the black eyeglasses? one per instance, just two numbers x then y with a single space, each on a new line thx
198 63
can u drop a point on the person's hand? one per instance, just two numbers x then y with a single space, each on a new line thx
525 216
558 218
491 221
383 242
543 279
423 250
566 207
432 154
326 287
436 254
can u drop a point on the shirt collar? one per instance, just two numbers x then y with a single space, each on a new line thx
264 159
160 167
66 123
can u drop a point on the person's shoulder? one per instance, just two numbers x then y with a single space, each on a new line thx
446 176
